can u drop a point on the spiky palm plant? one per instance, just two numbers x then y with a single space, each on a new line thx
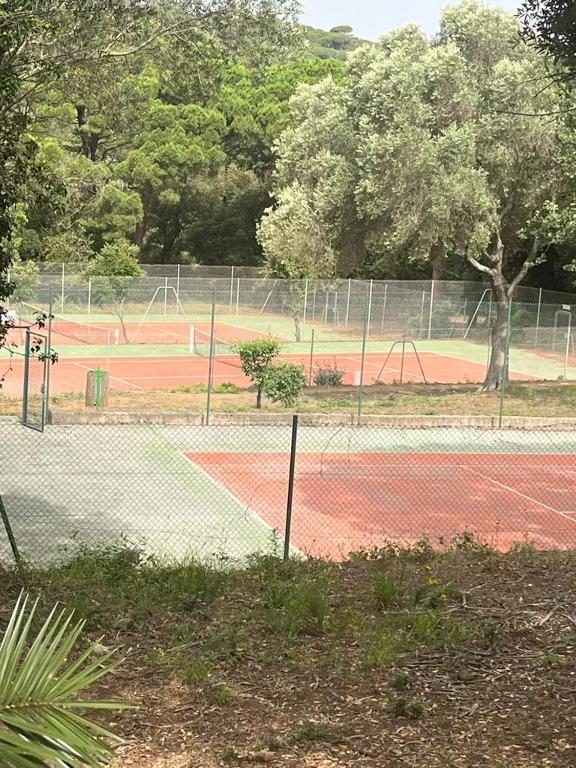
40 678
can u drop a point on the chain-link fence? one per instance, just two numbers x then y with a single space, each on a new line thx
223 492
395 441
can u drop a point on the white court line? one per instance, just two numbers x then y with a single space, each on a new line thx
519 493
245 507
113 378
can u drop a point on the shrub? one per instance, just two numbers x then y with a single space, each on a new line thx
256 357
284 382
328 376
226 388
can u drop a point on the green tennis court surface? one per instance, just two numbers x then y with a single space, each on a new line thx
219 492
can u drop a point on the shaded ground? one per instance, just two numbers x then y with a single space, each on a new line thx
530 399
395 659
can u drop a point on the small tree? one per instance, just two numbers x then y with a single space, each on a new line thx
115 269
283 383
256 357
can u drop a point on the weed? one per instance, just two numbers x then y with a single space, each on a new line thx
328 376
548 660
272 743
314 731
386 647
400 681
221 695
194 672
401 706
387 590
226 388
491 632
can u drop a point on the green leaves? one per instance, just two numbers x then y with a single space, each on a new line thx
40 678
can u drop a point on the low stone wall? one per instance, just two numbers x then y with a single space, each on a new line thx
58 416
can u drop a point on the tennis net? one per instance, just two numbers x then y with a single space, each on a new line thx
200 342
80 332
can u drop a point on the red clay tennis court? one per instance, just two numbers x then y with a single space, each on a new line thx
140 372
348 501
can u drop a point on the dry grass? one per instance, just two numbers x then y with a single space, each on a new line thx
534 399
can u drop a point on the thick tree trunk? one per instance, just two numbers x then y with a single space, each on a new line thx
497 374
437 256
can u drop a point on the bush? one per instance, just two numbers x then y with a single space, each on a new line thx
256 356
284 382
226 388
328 376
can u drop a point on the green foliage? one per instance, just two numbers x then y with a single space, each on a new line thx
336 43
284 382
256 356
25 275
39 683
113 272
328 376
68 246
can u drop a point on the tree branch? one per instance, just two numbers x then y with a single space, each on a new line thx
477 265
528 263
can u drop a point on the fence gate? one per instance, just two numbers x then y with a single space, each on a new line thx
36 373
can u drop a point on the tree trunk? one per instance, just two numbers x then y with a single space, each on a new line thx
120 313
497 374
437 256
259 395
297 329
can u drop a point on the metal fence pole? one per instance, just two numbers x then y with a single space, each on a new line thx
89 297
178 283
211 360
538 317
305 301
62 288
165 297
348 301
567 352
10 533
291 475
422 314
363 360
384 309
369 307
231 288
311 357
48 363
431 306
237 297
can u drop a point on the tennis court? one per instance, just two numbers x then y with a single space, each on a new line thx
139 372
349 501
222 490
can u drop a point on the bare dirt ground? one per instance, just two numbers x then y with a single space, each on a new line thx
420 660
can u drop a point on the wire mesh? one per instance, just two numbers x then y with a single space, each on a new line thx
220 492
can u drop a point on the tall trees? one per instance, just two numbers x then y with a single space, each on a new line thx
551 25
452 147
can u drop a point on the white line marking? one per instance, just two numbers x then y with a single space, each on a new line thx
518 493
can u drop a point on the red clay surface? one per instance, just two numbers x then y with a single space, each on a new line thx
137 373
65 332
343 502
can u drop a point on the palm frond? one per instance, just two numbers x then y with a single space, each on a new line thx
40 724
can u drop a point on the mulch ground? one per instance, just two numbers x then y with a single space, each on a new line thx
254 676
